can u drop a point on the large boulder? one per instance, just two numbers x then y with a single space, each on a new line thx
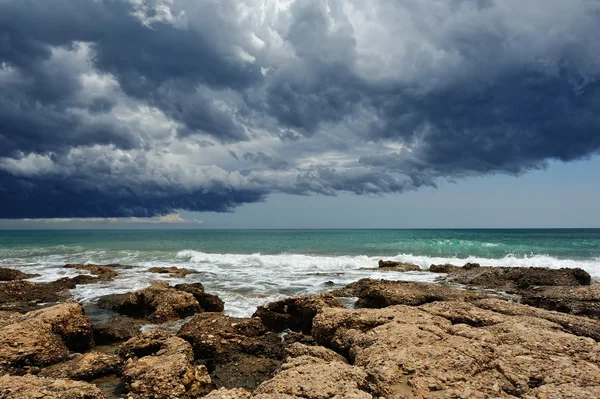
116 329
12 274
217 337
383 293
397 266
459 349
103 272
43 337
295 313
577 300
208 302
159 365
31 387
85 367
174 272
158 303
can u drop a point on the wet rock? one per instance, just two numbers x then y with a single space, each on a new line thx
383 293
12 274
312 378
116 329
85 367
519 278
208 302
31 387
582 300
104 272
217 337
448 268
157 304
295 313
159 366
244 371
175 272
458 349
224 393
398 266
43 337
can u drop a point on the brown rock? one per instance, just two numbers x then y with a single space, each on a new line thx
218 337
86 367
398 266
104 272
159 366
12 274
224 393
445 268
459 349
295 313
320 352
382 293
158 304
31 387
208 302
173 271
519 278
581 300
115 329
244 371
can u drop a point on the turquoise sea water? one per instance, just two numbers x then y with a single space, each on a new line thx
249 267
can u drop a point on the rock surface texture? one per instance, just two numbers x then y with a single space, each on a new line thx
12 274
31 387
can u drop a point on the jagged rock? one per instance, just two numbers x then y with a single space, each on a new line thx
382 293
115 329
208 302
581 300
459 349
31 387
312 378
158 303
244 371
85 367
43 337
175 272
218 337
297 349
12 274
104 272
159 366
295 313
398 266
519 278
224 393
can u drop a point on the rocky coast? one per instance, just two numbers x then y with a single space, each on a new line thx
479 332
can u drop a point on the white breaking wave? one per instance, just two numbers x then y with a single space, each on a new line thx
245 281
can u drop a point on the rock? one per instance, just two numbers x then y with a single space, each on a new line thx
224 393
445 268
31 387
310 379
104 272
116 329
320 352
208 302
173 271
244 371
383 293
398 266
159 366
12 274
458 349
581 300
158 303
85 367
519 278
217 337
43 337
295 313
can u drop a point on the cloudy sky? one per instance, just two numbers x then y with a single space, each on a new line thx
299 113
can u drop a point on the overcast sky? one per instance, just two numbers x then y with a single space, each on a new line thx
305 113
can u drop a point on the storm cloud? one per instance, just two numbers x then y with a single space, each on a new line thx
142 108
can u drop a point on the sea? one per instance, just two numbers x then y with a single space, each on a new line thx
248 268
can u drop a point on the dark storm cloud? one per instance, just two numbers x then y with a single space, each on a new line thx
114 108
